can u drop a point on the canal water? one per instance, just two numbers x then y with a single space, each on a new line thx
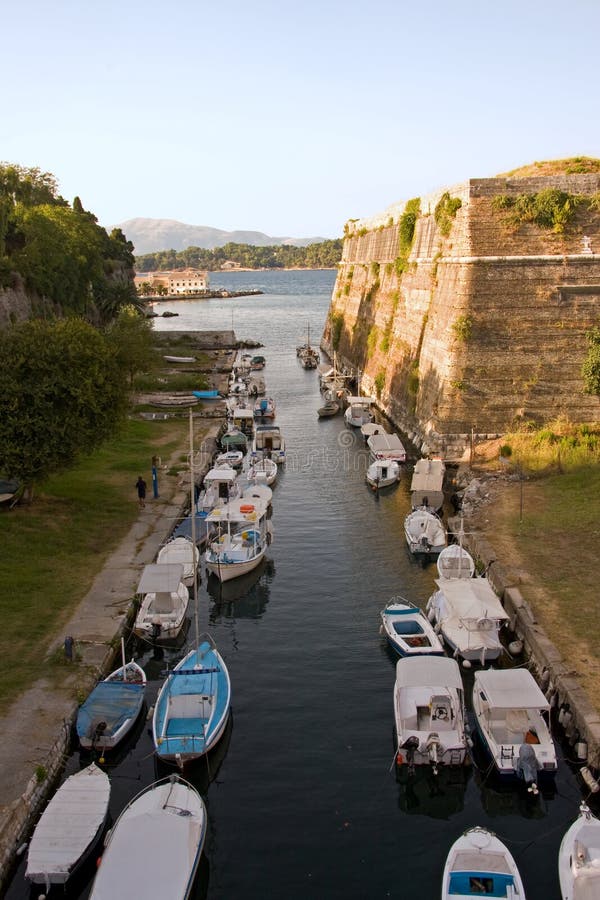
302 795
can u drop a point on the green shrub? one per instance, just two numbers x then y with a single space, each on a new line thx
337 324
550 209
380 382
445 212
462 328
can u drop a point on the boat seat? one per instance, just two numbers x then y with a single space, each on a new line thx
182 727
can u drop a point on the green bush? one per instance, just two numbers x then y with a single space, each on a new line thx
445 212
462 328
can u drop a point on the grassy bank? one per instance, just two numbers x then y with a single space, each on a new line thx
52 550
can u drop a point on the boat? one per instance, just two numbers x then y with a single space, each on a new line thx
579 858
479 864
154 848
383 473
427 484
242 419
257 363
11 490
181 550
429 710
329 408
268 443
180 359
264 408
454 561
208 395
220 484
359 411
424 532
309 358
508 706
469 615
386 446
262 471
231 458
162 613
257 490
111 710
370 428
69 828
408 630
233 439
192 707
241 537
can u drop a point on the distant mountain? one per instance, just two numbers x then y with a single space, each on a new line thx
150 235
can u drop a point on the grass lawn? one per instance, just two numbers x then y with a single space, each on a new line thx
53 549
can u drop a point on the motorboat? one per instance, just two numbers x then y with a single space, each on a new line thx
409 631
181 550
232 458
162 613
371 428
454 561
509 710
242 419
154 848
192 707
107 716
263 470
359 411
268 443
241 536
386 446
425 532
257 490
429 710
257 362
469 615
220 485
264 408
329 408
427 484
382 473
479 864
233 439
579 858
69 828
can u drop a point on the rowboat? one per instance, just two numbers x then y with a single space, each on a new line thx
409 631
180 359
112 708
479 864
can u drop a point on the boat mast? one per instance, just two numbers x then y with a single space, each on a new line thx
193 514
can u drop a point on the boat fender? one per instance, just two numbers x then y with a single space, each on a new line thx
247 508
589 779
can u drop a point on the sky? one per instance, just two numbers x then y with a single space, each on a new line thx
290 118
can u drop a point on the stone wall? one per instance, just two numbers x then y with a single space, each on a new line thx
480 329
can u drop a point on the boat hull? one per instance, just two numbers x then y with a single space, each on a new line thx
478 863
226 571
113 704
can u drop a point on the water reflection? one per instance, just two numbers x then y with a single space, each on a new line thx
437 796
242 598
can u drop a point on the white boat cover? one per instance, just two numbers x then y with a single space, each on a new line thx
455 562
427 671
386 445
428 475
155 845
221 473
361 401
471 598
511 689
68 826
160 578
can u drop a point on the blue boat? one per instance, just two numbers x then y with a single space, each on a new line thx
112 709
409 631
193 705
207 395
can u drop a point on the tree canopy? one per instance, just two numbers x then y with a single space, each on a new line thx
324 255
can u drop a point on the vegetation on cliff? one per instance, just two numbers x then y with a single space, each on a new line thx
324 255
574 165
591 367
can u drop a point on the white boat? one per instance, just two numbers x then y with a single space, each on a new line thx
162 612
69 828
579 858
429 710
479 864
107 716
409 631
427 484
268 443
371 428
424 532
455 562
508 707
386 446
264 408
231 458
181 550
242 418
383 473
469 615
257 490
180 359
154 847
242 534
220 485
262 470
359 411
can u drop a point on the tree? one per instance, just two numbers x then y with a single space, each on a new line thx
62 393
130 335
591 367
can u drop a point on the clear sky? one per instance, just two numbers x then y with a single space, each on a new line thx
290 118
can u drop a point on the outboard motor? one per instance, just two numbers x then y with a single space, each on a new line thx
527 767
434 747
411 745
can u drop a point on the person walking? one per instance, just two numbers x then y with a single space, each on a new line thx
141 491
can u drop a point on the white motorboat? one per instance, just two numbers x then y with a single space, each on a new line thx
264 408
257 490
162 612
262 471
371 428
180 359
242 418
233 459
359 411
242 534
579 858
268 443
220 485
386 446
181 550
409 631
425 532
429 710
154 847
383 473
469 615
455 562
111 710
508 707
69 828
427 484
479 864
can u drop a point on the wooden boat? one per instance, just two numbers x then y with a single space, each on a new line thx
242 535
508 706
112 708
382 473
180 359
455 562
469 615
429 711
231 458
424 532
479 864
579 858
192 707
330 407
427 484
154 847
69 828
162 612
409 631
181 550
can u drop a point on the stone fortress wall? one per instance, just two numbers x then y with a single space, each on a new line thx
481 328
